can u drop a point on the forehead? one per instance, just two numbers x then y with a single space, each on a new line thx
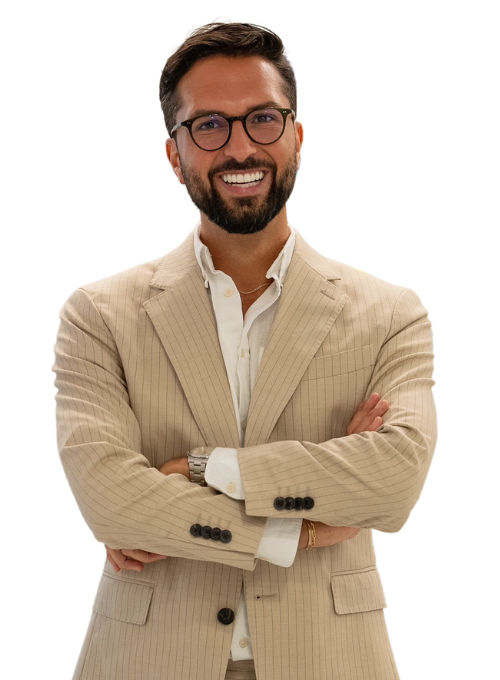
231 85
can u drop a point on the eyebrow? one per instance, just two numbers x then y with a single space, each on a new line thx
219 112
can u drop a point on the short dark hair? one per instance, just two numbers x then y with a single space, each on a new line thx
229 39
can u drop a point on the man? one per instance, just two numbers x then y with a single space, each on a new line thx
252 555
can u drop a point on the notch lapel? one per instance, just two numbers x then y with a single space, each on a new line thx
183 318
309 305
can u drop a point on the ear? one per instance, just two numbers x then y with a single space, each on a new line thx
299 138
174 159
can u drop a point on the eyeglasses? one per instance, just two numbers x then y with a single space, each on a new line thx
211 132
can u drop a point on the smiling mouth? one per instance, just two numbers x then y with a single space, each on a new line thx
247 179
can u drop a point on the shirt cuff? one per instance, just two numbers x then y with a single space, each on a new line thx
280 541
222 472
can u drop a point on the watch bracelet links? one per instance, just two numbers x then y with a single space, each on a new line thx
197 466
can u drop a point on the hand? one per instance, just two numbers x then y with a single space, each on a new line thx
131 560
134 560
176 466
368 417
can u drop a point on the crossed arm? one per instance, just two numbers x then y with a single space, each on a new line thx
368 418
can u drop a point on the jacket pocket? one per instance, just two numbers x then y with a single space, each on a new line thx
343 362
357 591
123 599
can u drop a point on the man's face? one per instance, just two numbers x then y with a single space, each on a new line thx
233 87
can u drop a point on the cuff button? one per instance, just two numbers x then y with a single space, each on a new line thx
225 536
195 530
279 503
308 503
206 532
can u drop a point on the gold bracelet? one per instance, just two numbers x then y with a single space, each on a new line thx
312 534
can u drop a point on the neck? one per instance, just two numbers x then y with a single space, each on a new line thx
246 258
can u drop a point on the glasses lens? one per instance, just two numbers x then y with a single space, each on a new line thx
210 132
265 126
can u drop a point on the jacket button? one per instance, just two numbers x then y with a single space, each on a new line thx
215 534
206 532
289 503
308 503
279 503
195 530
299 503
225 616
225 537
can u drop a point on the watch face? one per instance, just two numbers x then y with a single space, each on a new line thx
199 452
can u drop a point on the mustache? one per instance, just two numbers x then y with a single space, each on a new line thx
234 166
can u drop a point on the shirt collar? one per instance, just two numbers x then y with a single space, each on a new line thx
276 271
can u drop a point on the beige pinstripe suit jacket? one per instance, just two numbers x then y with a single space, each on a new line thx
141 379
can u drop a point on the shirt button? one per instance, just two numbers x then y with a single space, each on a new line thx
231 487
244 425
244 642
228 292
242 353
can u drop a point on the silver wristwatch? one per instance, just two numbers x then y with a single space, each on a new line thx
198 459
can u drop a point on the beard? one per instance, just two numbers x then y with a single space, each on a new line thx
249 214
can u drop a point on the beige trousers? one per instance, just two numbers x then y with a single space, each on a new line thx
240 670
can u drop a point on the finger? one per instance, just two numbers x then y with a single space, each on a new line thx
370 424
381 408
122 561
113 563
115 556
369 421
361 414
365 407
374 425
132 565
143 556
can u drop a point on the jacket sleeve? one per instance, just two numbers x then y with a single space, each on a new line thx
368 480
126 502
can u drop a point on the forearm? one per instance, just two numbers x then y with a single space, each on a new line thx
126 502
367 479
370 480
140 508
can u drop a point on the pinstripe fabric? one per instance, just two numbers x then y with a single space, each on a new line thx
141 379
240 670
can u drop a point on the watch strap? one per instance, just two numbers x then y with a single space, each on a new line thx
198 459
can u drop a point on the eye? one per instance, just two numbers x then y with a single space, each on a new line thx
209 124
265 117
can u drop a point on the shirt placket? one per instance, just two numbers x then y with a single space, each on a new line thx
243 373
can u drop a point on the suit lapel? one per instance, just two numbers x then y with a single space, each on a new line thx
183 318
309 305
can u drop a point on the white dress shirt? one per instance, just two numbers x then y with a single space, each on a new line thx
242 342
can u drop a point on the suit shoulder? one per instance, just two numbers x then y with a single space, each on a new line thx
129 283
359 284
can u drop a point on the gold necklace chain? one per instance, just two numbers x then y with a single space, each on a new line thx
247 292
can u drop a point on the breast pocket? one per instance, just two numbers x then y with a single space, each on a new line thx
330 391
123 599
349 361
357 591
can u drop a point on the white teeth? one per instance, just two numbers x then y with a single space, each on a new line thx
243 179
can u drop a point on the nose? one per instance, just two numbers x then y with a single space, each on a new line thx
240 146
